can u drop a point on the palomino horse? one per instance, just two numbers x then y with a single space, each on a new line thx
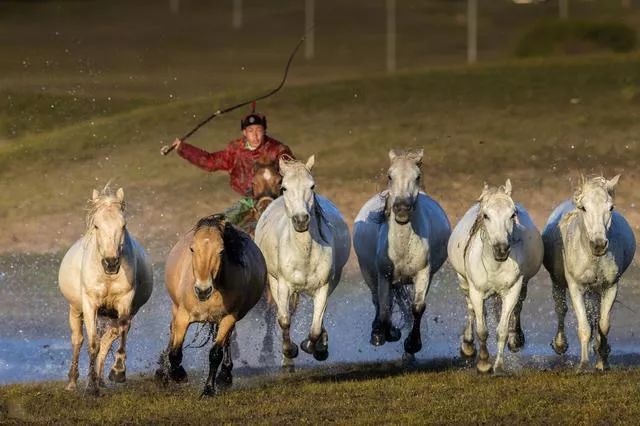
265 188
587 247
306 244
400 237
214 274
106 273
495 249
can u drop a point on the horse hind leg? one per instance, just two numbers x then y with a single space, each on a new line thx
516 335
318 342
413 342
106 341
603 349
119 368
559 343
75 324
225 378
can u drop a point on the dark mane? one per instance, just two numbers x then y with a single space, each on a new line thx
477 224
234 239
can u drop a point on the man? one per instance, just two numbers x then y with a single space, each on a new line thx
238 159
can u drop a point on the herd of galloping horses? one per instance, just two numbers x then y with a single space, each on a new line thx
216 272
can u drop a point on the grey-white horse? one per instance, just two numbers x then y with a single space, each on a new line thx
494 249
306 243
588 246
105 273
400 237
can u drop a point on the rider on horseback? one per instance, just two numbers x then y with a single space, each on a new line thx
239 159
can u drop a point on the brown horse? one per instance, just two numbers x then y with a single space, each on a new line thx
265 188
214 274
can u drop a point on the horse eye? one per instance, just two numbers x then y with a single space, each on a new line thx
611 208
582 208
191 248
313 187
486 217
95 226
389 177
418 179
282 190
513 216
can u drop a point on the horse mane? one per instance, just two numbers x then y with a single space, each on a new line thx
588 182
475 228
106 197
234 240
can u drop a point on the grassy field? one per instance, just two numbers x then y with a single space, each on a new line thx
433 394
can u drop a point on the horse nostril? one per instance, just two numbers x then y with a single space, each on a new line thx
203 294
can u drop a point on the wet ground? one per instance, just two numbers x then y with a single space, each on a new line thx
35 346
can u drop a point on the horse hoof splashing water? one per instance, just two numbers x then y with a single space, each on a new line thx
106 275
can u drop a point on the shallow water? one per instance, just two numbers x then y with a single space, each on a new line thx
34 334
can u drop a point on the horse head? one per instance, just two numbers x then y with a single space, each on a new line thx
497 216
106 220
404 184
298 191
265 184
594 201
207 249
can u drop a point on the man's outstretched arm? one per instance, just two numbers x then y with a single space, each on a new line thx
209 161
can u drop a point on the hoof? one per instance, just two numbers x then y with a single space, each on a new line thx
208 392
290 351
71 386
516 342
178 374
602 366
499 371
393 334
559 345
412 346
307 346
483 367
117 376
467 350
321 355
224 379
161 376
408 359
377 338
583 368
92 389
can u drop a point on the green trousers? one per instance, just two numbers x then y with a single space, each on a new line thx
237 211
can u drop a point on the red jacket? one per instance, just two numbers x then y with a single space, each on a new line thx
235 159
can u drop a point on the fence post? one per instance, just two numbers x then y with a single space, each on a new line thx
472 31
563 7
391 36
237 14
309 45
174 6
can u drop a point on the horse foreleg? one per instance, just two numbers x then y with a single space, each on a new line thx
118 371
559 342
584 328
90 321
422 280
75 324
179 326
225 327
382 330
516 335
318 341
105 344
509 302
282 296
467 347
477 301
602 345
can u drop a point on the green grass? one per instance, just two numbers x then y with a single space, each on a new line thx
365 394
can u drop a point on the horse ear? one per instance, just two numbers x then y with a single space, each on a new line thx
507 187
95 195
484 191
392 154
611 184
282 165
120 194
417 156
310 162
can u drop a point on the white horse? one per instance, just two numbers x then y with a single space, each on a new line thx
495 249
400 237
306 243
105 273
588 246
